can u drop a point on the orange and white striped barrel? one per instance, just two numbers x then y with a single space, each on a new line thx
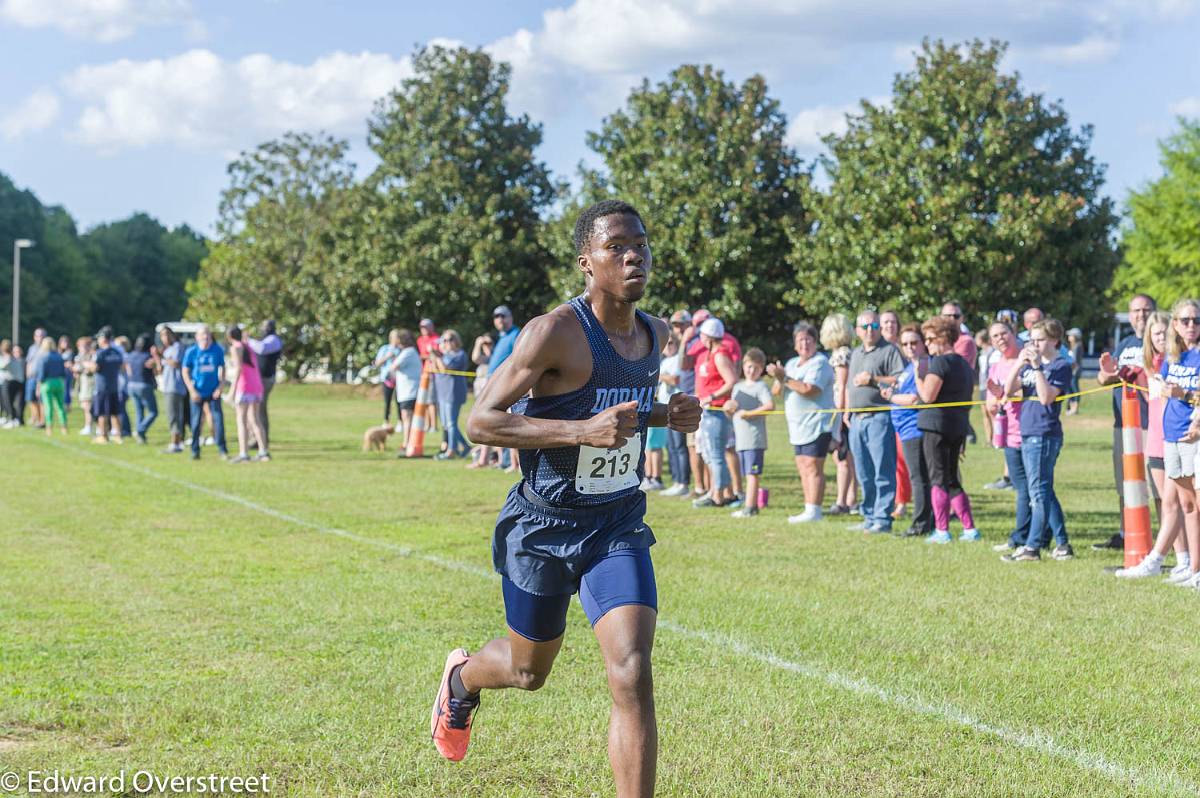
416 432
1137 494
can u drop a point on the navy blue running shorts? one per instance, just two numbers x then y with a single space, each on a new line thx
621 577
546 554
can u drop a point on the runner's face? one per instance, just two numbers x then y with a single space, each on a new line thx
618 257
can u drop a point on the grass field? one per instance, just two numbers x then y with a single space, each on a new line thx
292 618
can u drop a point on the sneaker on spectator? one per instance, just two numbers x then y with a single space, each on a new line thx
970 536
1115 542
745 512
646 482
1192 581
1005 546
1023 554
861 526
210 441
806 517
876 528
1004 483
838 509
656 484
1063 552
913 532
704 501
1180 568
678 489
736 502
939 536
1179 574
1151 566
855 509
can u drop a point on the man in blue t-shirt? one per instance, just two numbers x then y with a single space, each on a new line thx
1126 364
503 319
107 366
203 372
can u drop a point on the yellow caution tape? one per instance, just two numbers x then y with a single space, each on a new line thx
970 403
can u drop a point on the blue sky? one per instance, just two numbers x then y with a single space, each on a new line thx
114 106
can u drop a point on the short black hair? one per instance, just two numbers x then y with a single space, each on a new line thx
585 224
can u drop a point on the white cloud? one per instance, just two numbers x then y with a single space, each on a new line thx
1189 106
592 47
102 20
201 101
1093 49
807 127
37 112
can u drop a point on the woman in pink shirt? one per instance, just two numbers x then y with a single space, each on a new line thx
247 394
1170 511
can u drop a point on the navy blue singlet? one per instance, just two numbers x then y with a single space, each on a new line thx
556 476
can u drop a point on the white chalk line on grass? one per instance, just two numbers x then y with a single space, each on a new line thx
1035 740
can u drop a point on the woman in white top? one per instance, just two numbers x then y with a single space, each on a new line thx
808 382
406 371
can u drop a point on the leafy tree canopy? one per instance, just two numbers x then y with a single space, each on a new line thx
965 186
1162 242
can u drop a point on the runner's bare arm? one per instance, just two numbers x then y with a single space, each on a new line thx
544 347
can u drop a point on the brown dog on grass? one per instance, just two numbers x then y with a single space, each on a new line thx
375 438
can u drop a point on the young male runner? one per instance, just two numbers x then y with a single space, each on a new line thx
575 520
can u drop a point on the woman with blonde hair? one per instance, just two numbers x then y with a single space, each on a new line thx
1179 381
837 333
51 376
1170 518
449 356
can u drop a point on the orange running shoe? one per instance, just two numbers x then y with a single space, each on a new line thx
450 723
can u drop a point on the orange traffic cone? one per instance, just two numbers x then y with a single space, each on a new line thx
1137 495
416 433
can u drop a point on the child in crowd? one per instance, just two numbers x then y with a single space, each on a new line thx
750 429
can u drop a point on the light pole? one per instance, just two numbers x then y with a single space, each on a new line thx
18 245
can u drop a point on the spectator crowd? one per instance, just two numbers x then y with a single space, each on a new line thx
888 399
102 373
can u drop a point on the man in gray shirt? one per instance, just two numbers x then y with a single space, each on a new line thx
872 439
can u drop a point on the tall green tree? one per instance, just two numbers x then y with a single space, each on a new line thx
706 162
56 289
447 224
965 186
1162 242
139 272
275 241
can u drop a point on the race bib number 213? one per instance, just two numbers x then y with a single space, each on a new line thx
608 470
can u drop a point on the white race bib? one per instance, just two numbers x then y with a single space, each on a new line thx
608 470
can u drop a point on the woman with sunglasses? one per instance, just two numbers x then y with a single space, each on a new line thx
1041 376
1180 381
1170 515
912 347
945 377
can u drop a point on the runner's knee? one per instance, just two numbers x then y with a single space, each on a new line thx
630 677
528 678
